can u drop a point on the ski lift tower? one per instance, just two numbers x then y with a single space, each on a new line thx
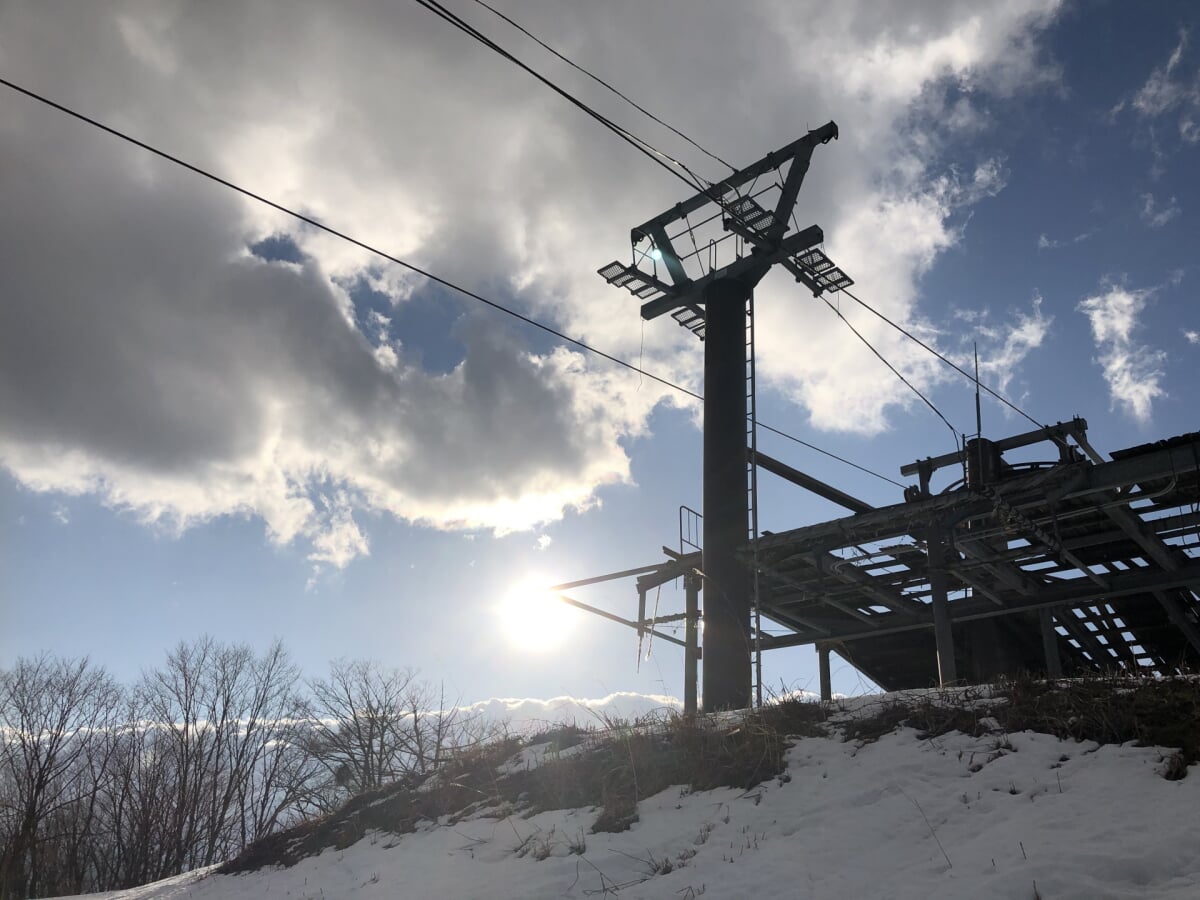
709 290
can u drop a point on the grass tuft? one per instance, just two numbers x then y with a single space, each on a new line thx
613 767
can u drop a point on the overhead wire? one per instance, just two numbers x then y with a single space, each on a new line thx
802 443
600 81
435 7
858 334
692 178
912 337
671 164
425 273
309 220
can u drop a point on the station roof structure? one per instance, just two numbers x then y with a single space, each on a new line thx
1110 548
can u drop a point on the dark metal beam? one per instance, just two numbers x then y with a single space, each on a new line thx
620 621
1179 618
669 571
612 576
943 632
670 258
749 269
820 488
1131 524
1138 581
1004 572
1050 433
1086 639
1151 466
727 586
791 188
691 654
1050 643
823 667
822 135
845 570
902 518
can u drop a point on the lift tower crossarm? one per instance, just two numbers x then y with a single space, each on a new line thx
748 268
799 151
718 307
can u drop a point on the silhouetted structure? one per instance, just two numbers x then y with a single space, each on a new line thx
1057 565
717 304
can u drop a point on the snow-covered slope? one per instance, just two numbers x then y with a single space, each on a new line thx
1020 815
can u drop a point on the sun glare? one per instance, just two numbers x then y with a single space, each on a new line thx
533 618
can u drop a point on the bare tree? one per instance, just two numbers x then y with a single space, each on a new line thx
133 800
358 717
372 725
50 712
225 722
103 789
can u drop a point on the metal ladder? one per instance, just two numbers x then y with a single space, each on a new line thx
752 493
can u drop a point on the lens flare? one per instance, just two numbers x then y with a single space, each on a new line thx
533 618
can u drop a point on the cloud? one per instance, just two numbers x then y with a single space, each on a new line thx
1133 371
1192 337
1046 243
543 541
1162 90
149 358
1157 217
1166 91
530 714
1004 346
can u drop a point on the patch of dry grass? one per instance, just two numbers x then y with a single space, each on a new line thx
612 768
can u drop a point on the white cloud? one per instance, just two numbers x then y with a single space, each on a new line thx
530 714
339 539
1189 130
1155 216
1162 91
174 376
1046 243
543 541
1168 90
1133 371
1004 346
1192 337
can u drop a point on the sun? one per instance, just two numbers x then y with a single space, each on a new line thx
533 618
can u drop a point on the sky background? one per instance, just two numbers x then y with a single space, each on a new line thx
214 419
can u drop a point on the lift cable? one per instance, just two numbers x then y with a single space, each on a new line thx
308 220
671 164
600 81
667 162
853 465
858 334
908 334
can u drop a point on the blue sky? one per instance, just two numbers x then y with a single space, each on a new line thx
213 420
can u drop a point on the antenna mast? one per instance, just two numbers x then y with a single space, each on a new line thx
978 414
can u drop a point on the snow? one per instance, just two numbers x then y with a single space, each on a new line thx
1017 815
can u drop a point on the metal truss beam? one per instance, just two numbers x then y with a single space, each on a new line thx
816 486
1125 584
798 150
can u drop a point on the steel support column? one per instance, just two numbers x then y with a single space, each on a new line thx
691 652
1050 643
727 601
823 666
942 630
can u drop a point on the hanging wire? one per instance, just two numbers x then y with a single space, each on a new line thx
937 412
714 191
603 84
412 267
